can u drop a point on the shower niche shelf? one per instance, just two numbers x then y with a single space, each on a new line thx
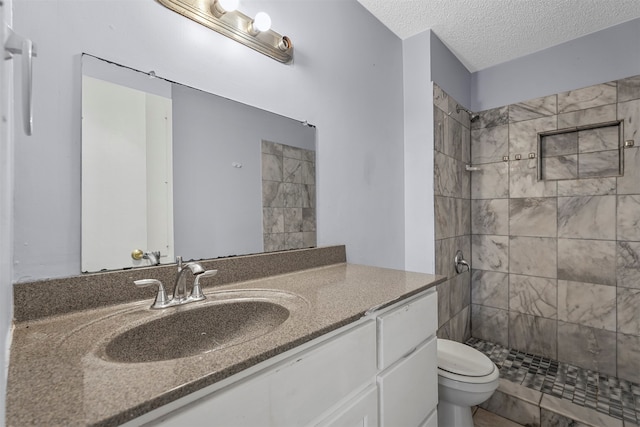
592 151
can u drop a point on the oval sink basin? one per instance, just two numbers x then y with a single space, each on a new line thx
197 330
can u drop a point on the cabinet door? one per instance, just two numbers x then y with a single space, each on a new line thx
361 411
294 392
409 389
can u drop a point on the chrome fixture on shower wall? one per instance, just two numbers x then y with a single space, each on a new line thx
221 16
472 116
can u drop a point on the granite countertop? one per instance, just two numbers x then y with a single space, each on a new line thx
59 374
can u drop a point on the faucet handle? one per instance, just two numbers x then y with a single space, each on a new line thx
196 292
161 300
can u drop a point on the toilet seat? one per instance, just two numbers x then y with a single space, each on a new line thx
462 363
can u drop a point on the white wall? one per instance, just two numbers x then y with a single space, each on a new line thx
604 56
6 210
346 79
418 151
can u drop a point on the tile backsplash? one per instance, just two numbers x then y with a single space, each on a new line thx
556 264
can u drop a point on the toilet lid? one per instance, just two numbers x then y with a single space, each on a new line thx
461 359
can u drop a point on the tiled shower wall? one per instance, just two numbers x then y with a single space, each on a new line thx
556 264
452 214
288 197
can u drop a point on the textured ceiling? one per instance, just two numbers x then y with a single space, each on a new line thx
482 33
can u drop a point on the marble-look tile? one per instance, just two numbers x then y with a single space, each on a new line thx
460 326
629 112
308 219
589 261
523 136
273 220
309 239
440 98
512 408
628 217
454 140
273 242
629 89
520 391
559 144
533 256
490 253
292 220
587 304
581 415
271 167
489 145
628 306
443 331
533 334
291 170
445 217
551 419
523 180
461 116
588 97
463 216
599 139
440 127
443 290
444 257
292 152
308 172
308 155
460 293
466 145
293 195
490 324
560 167
590 348
490 288
446 176
587 217
628 264
590 116
494 117
490 216
601 163
533 108
274 148
588 187
533 217
491 181
628 360
628 183
272 194
293 240
483 418
535 296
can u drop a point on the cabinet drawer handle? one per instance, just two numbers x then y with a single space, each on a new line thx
413 350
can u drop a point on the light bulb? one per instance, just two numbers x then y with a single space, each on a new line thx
262 22
228 5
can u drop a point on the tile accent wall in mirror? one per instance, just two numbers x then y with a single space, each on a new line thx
185 177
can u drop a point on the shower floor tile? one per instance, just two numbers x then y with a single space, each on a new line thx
609 395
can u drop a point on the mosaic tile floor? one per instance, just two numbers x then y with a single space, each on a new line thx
610 395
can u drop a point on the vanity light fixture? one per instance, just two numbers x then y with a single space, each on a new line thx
222 16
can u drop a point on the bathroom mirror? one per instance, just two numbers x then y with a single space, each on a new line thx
169 168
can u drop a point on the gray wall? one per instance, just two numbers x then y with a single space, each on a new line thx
449 73
217 207
348 83
603 56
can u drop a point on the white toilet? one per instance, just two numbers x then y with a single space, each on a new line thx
466 378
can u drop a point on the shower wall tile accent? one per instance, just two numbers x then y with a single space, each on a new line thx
452 206
556 264
288 197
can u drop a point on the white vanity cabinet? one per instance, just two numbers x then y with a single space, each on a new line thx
378 371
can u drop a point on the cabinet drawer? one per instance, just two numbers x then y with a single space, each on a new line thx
409 389
402 329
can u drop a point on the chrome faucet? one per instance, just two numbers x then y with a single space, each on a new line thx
460 263
180 289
